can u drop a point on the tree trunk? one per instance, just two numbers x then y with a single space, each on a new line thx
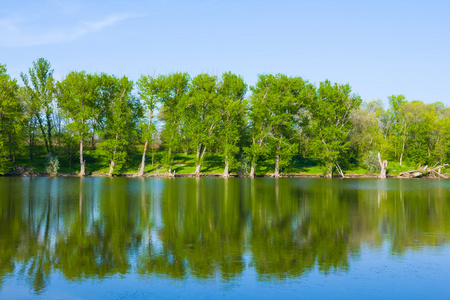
277 163
141 170
383 166
339 170
200 155
111 166
197 170
225 171
44 135
31 144
49 132
252 170
82 162
329 173
403 150
199 149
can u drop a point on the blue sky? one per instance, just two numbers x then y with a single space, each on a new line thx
379 47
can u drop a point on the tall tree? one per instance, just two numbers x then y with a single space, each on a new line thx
289 96
41 89
122 114
260 127
149 91
202 115
11 119
76 96
173 89
398 127
367 134
275 103
31 129
232 106
331 122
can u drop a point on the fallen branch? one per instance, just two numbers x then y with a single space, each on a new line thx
434 172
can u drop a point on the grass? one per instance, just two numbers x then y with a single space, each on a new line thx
185 164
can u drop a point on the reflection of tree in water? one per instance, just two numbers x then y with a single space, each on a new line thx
295 229
100 247
25 232
202 231
419 217
92 229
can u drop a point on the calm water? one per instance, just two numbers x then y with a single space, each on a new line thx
211 237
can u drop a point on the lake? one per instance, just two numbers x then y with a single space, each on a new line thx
93 238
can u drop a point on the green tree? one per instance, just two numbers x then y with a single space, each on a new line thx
201 115
41 89
367 134
11 119
76 96
149 91
232 106
397 128
5 163
260 127
442 144
173 89
275 104
122 114
331 123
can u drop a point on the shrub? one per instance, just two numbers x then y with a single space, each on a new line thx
51 164
371 162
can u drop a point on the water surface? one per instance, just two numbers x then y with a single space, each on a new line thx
226 238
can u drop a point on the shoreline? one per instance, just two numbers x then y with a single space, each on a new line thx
217 175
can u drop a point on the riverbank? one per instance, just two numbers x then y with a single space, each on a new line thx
167 175
184 166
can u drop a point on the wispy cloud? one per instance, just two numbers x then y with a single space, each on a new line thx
17 31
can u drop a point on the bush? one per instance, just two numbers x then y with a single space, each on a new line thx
371 162
51 164
244 165
5 164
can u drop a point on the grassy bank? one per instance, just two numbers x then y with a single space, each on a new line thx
185 164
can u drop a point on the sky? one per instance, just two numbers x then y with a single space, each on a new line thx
379 47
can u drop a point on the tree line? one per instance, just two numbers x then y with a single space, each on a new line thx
278 118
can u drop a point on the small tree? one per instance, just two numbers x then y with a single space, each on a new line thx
371 162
